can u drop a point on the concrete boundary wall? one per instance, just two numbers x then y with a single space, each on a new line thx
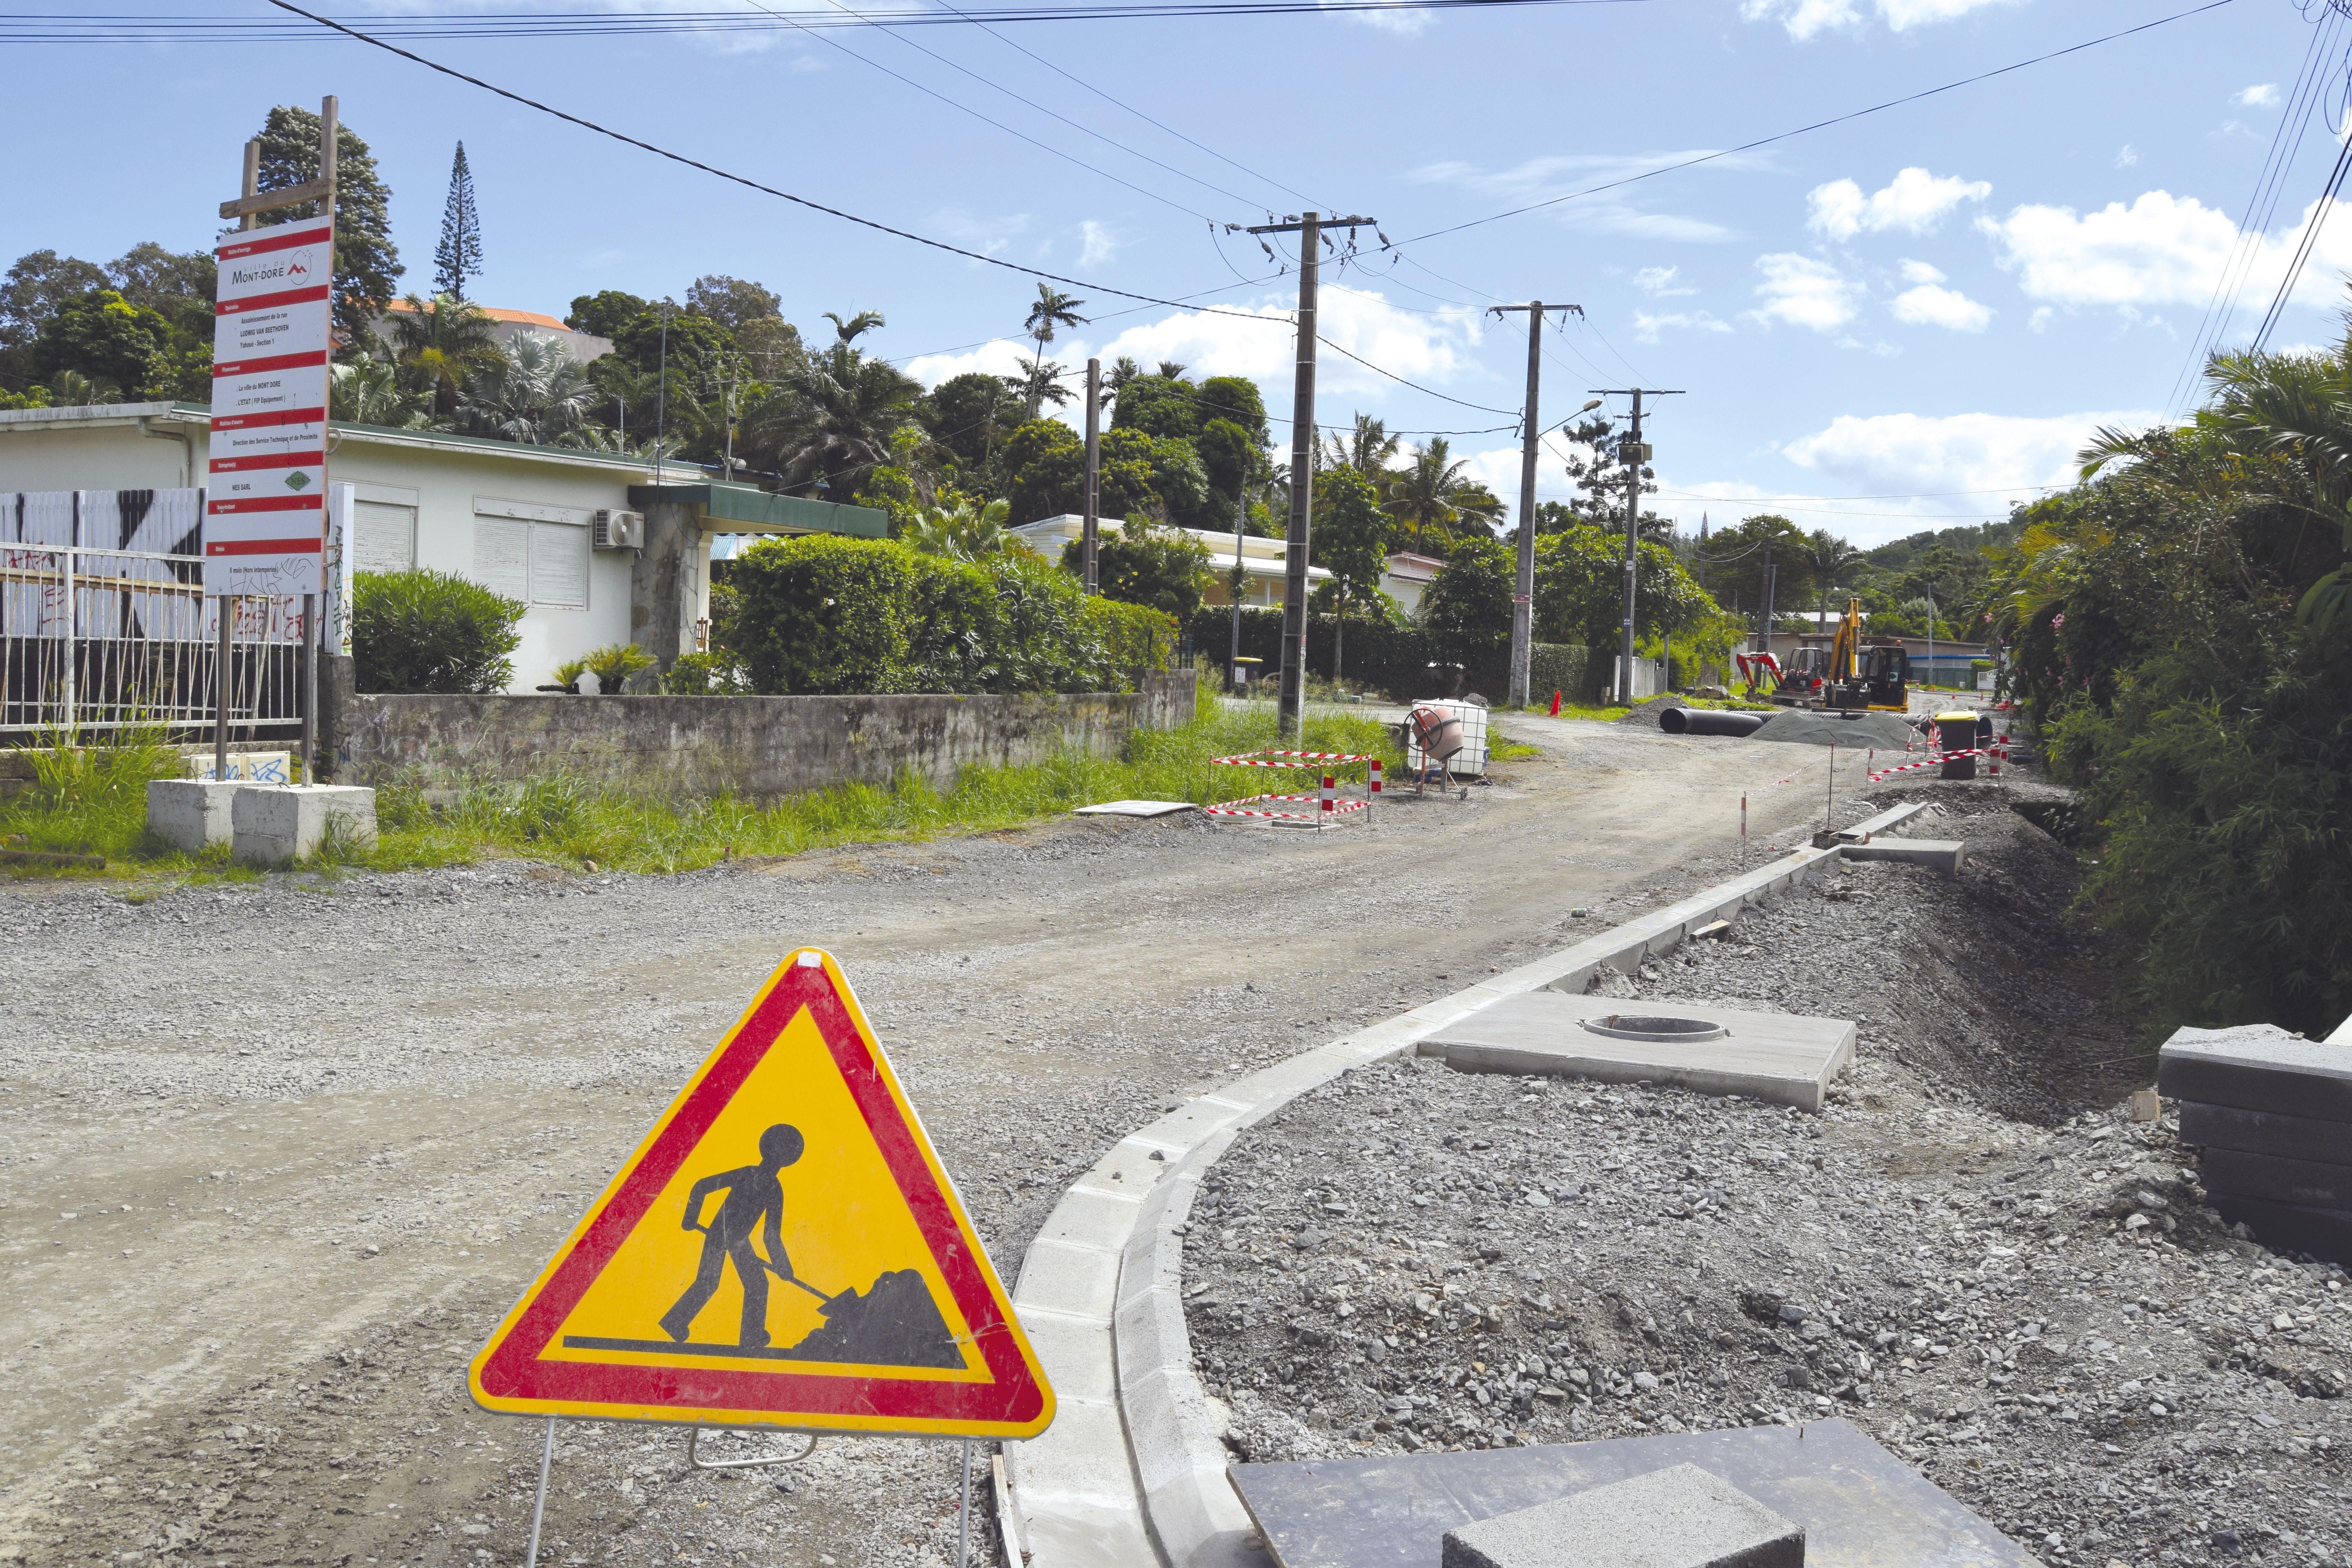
1133 1469
752 746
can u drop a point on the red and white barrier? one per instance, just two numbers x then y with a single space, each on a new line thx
1327 803
1935 759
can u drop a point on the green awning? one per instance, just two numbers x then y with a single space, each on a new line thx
747 509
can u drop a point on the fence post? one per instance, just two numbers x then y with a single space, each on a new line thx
73 657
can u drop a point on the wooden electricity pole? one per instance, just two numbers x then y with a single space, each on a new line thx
1633 455
1092 526
1523 596
1290 706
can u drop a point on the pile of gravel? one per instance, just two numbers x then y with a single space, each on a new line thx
1644 715
2023 1295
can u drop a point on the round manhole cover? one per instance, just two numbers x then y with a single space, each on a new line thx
1642 1026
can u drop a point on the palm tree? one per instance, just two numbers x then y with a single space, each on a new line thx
1040 383
1832 561
440 342
1122 370
1433 489
534 394
72 389
965 532
1053 310
1368 449
598 438
369 393
836 424
1174 369
863 321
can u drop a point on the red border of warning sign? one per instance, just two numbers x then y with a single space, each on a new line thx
509 1375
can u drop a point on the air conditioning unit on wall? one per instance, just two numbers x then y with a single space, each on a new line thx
619 530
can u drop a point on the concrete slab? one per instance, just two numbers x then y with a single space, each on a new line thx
190 814
1680 1517
1135 808
2256 1067
277 825
1943 855
1781 1058
245 767
2291 1228
1861 1506
2266 1132
2309 1183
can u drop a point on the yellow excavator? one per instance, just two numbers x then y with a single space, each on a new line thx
1850 676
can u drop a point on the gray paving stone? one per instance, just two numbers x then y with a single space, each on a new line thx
2256 1067
2213 1127
2310 1183
1680 1517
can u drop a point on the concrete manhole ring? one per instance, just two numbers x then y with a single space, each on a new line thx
1647 1027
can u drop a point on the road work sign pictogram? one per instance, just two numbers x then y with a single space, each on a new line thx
783 1249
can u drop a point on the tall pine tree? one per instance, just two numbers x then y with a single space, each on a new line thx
459 255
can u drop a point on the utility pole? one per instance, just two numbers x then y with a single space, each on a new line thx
1523 596
1291 706
1093 503
1769 582
1633 454
1239 581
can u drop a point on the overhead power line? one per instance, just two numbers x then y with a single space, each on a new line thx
1820 124
77 27
750 184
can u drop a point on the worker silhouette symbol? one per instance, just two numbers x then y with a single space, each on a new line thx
754 1204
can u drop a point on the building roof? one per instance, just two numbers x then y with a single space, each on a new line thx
519 317
1260 557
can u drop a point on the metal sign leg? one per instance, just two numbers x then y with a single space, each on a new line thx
963 1515
539 1508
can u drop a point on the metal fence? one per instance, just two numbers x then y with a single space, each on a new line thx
104 625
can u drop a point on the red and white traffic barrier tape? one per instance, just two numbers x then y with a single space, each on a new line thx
1935 758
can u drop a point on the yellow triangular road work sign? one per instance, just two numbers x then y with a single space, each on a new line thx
783 1249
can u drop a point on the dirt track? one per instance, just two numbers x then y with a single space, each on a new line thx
281 1153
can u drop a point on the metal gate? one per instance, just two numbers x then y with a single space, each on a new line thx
104 625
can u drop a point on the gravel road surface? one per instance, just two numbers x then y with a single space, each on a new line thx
281 1153
1972 1252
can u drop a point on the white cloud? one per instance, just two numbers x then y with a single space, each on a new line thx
1803 18
2040 321
987 234
1658 282
2126 155
1929 304
2162 249
1000 356
1100 245
1804 292
1915 201
1647 326
1904 472
2264 96
1554 174
1402 22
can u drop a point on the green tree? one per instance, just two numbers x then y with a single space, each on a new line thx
1736 561
834 425
967 531
1045 465
1228 460
533 393
368 391
459 255
1469 601
1435 491
37 286
1368 448
431 631
1351 538
1830 563
603 314
1139 563
733 303
367 263
1580 590
1235 398
439 344
968 416
1159 406
106 338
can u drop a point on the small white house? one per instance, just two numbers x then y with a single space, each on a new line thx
1263 559
603 549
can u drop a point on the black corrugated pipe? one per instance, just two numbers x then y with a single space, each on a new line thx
1709 721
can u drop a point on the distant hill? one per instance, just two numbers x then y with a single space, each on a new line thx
1967 539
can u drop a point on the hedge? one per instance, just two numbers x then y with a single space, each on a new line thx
821 615
424 630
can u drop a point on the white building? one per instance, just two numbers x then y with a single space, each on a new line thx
1263 559
519 518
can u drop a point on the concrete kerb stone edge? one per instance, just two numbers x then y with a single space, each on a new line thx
1176 1457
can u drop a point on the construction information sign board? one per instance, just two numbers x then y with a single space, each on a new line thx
266 497
784 1249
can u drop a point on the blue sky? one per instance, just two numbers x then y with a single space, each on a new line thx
1902 321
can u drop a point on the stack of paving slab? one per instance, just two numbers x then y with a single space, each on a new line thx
2272 1114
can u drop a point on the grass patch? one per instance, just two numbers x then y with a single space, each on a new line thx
561 819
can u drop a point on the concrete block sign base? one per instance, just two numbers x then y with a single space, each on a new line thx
279 825
190 814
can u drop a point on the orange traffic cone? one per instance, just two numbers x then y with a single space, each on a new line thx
1555 704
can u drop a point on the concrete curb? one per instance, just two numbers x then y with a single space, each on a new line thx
1133 1469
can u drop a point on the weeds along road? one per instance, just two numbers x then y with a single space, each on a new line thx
280 1154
